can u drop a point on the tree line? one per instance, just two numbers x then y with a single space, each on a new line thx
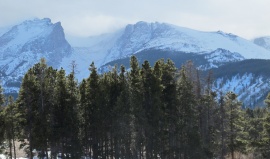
144 113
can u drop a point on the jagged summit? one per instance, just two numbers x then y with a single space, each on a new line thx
37 22
38 36
28 29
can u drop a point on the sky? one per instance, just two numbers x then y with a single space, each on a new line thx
83 18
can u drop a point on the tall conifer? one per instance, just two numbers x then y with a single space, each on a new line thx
187 123
93 107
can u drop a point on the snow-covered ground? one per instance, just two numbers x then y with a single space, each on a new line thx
4 157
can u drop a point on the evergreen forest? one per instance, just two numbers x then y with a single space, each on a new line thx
145 112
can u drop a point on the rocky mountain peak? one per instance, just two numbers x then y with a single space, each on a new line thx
36 36
26 43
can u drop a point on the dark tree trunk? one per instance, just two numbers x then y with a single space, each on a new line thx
10 148
14 147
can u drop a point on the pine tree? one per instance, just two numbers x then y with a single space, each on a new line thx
187 123
50 84
84 117
208 119
72 114
41 124
12 120
168 108
235 125
105 120
123 116
138 115
65 119
266 131
2 130
151 89
111 89
35 102
223 122
28 105
59 113
93 109
254 128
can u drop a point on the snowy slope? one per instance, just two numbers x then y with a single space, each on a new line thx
88 50
83 57
251 89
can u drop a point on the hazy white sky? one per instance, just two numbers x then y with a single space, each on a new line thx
246 18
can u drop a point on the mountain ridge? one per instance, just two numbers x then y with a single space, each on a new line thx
144 35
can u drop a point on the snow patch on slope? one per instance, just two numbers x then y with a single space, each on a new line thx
250 88
220 57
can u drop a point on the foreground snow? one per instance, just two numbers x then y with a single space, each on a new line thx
4 157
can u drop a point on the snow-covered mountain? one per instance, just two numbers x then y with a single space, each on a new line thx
136 38
142 36
24 44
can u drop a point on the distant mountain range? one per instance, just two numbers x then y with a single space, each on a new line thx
239 65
